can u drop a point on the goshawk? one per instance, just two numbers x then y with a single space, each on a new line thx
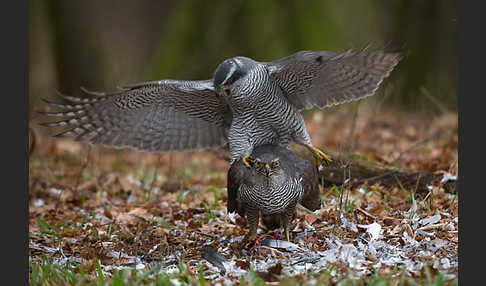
272 185
247 103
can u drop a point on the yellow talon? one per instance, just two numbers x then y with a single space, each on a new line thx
247 161
324 157
287 235
320 156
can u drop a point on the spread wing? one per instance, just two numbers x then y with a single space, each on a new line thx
321 78
166 115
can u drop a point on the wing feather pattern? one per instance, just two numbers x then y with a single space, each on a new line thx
167 115
321 78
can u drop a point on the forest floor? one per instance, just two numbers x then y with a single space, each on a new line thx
100 216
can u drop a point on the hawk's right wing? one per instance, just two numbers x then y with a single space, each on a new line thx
166 115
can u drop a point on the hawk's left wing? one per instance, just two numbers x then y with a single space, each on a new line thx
321 78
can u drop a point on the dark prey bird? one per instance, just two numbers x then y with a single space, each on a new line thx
272 185
247 103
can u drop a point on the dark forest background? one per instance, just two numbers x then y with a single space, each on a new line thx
103 44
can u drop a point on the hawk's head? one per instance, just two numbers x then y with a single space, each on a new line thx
265 166
230 71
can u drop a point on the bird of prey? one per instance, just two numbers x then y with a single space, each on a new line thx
272 185
247 103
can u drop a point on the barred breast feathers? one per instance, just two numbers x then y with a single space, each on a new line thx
274 198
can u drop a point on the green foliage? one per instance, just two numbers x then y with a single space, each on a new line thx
217 193
46 272
46 228
101 277
254 279
149 177
161 222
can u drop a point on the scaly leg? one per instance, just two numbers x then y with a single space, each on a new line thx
320 156
287 218
252 217
301 136
287 235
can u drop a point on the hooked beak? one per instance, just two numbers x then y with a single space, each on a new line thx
267 170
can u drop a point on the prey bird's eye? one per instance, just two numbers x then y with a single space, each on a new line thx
227 82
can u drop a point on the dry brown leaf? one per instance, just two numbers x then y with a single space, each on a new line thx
141 213
88 184
311 218
133 217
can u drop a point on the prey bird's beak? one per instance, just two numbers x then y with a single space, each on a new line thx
267 170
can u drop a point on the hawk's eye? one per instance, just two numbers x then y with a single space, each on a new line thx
257 164
275 164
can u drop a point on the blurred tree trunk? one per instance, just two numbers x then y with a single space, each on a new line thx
78 58
427 30
42 69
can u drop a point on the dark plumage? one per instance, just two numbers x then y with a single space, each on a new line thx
272 185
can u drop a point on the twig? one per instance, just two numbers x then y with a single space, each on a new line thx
341 194
432 226
206 234
155 177
389 218
271 248
60 249
170 170
416 186
376 177
452 165
78 179
427 94
366 213
426 197
351 136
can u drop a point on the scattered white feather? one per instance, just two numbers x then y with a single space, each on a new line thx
373 229
431 219
346 223
232 217
55 192
39 203
448 177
